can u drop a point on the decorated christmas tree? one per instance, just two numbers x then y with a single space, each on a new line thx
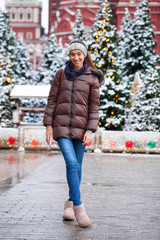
145 113
114 94
8 70
53 60
7 81
136 44
14 68
103 46
7 41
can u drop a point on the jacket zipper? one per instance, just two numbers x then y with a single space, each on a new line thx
71 110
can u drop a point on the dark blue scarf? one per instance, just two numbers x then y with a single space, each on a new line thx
71 73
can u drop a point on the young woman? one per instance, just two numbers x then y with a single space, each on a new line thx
71 116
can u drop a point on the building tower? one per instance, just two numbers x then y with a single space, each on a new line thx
25 20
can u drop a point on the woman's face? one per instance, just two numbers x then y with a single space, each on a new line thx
77 58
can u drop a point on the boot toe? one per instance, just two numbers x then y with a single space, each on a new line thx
68 211
68 214
81 216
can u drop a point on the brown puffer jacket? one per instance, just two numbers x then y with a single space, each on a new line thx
78 105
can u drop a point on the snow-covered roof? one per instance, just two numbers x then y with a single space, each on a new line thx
30 91
69 11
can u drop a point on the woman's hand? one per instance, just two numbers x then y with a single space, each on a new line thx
49 133
87 138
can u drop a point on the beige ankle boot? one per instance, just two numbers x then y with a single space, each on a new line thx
81 216
68 211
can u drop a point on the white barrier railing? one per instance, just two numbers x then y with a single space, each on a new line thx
33 137
127 141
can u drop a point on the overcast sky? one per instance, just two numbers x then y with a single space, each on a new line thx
44 12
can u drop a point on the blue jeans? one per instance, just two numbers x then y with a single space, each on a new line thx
73 152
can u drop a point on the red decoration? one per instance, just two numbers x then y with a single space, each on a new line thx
113 144
129 144
88 144
52 142
11 140
159 139
129 159
34 142
34 158
11 160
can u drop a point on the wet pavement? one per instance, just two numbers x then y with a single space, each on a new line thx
121 193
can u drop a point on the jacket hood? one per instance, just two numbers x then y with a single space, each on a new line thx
99 74
96 72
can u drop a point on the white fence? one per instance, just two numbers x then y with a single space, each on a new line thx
33 137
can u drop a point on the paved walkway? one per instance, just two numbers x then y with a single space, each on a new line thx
121 193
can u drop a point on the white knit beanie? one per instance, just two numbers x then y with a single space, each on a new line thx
78 45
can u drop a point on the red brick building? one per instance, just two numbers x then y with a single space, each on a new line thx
25 20
62 14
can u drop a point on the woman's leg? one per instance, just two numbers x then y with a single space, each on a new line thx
67 149
79 151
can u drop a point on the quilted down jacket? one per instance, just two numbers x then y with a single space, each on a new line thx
77 107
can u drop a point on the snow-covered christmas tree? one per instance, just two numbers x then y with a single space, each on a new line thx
136 44
7 81
14 68
103 46
7 41
124 43
24 67
114 94
78 29
53 60
8 70
145 113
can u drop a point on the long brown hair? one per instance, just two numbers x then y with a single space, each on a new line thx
89 61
